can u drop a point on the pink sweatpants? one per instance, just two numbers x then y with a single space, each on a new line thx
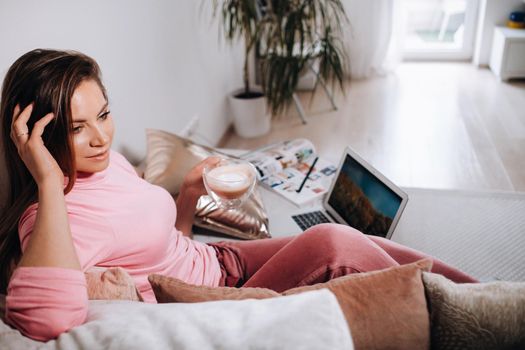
321 253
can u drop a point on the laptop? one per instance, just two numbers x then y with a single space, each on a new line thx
359 196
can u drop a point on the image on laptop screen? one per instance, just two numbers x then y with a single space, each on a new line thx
363 200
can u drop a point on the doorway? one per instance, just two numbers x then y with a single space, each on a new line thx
439 29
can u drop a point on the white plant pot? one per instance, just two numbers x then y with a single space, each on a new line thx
251 117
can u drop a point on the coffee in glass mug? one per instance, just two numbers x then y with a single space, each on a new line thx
229 182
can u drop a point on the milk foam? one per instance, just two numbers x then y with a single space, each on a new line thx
230 179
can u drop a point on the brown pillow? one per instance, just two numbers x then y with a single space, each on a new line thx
385 309
475 315
172 290
111 284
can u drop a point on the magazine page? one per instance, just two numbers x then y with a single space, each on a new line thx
289 180
274 158
283 168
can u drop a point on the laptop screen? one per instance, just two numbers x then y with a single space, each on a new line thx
363 200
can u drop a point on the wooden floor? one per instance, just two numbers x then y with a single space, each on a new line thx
429 125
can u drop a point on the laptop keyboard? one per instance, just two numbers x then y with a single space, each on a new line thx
310 219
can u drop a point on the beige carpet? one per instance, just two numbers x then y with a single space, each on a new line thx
481 233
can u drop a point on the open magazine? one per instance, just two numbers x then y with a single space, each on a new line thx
283 167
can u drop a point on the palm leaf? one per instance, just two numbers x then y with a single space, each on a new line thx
288 34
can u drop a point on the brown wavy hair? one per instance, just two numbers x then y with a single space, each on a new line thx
47 78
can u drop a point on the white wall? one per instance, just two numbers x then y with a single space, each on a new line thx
161 60
492 13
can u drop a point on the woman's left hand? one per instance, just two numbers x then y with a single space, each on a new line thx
193 184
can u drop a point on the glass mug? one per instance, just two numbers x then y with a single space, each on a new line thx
229 182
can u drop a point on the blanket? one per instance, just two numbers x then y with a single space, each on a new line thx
311 320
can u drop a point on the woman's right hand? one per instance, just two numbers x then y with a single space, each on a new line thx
31 148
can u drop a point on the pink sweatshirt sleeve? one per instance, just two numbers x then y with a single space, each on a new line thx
43 302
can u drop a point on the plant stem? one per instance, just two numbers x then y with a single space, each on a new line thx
246 73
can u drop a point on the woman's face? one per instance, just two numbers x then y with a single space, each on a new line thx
92 128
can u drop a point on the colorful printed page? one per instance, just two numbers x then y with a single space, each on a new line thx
284 166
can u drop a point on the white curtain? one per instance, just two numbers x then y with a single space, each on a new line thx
373 36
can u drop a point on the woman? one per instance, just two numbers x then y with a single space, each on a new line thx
74 203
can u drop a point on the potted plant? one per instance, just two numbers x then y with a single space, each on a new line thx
286 36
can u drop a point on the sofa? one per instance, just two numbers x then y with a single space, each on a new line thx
403 307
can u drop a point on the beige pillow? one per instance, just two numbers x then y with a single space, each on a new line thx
475 315
107 284
385 309
102 283
170 157
111 284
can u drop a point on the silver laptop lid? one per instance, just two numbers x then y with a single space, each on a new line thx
362 197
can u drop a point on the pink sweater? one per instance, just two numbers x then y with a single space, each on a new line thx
116 219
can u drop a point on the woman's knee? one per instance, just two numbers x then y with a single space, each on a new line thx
335 239
335 235
332 229
341 245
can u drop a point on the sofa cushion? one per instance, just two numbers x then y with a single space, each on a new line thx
385 309
475 315
172 290
170 157
306 321
110 284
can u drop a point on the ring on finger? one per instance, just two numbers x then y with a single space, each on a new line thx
22 134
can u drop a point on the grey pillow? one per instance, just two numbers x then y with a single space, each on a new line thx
475 315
